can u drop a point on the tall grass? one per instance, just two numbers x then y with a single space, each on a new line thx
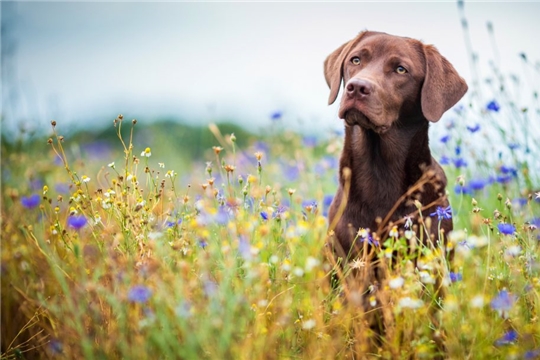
128 257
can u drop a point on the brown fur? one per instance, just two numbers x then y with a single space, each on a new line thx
386 147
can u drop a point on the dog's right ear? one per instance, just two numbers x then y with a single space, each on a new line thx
333 67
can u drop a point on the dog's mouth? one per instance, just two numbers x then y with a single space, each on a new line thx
356 117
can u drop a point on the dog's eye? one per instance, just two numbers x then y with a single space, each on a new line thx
401 70
355 60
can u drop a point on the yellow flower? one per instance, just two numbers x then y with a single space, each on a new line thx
147 152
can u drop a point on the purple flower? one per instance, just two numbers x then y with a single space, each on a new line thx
474 128
56 347
445 138
503 179
365 235
443 213
276 115
292 172
244 248
508 338
264 215
459 162
139 294
503 301
444 160
458 150
462 189
203 243
222 216
493 105
477 184
509 170
454 277
513 146
327 201
76 221
310 141
506 229
31 201
532 354
310 205
279 211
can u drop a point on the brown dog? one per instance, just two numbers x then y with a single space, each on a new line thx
393 88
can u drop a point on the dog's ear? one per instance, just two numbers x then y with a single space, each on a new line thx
333 67
443 87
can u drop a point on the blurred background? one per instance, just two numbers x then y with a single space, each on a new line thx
248 64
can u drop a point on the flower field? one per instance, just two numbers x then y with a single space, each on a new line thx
127 255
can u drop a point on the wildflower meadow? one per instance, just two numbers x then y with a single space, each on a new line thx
133 254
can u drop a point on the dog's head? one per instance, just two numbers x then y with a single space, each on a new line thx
385 76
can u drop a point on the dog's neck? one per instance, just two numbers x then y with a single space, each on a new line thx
388 164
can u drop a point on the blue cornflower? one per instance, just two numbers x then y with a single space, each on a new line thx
445 138
310 205
279 211
454 277
264 215
222 216
459 162
532 354
509 170
173 223
477 184
508 338
474 128
310 141
203 243
365 235
506 229
56 346
292 172
462 189
493 105
276 115
458 150
520 201
443 213
503 179
139 294
244 248
513 146
327 201
77 221
31 201
503 301
445 160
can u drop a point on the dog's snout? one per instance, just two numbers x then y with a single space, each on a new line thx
359 88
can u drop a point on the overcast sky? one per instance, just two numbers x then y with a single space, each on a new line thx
83 63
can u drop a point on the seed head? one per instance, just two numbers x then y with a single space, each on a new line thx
217 149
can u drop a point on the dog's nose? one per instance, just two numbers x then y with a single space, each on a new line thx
358 88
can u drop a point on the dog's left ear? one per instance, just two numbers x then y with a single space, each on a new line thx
443 87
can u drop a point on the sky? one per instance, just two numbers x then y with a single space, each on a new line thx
83 63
